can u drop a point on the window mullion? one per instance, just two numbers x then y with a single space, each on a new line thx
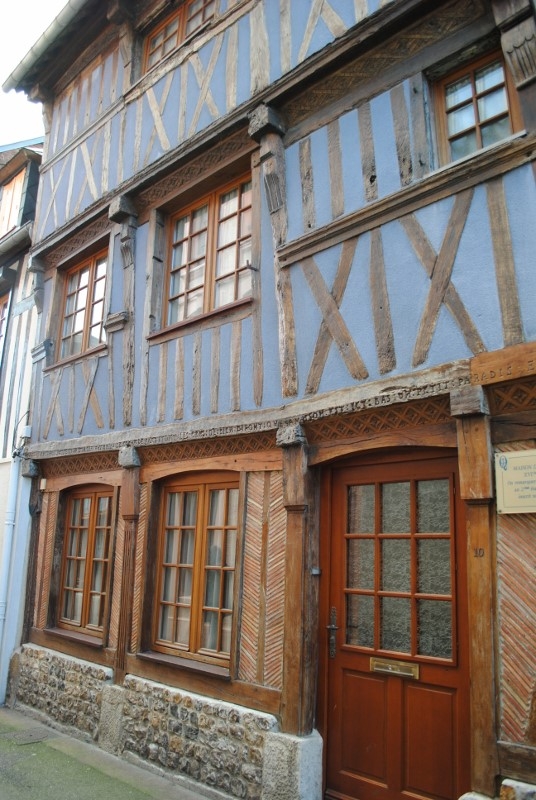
88 571
212 244
198 578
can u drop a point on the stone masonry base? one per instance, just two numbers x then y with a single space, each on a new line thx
221 749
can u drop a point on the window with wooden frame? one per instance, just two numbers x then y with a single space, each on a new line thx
82 326
198 532
4 304
86 560
477 107
175 28
209 261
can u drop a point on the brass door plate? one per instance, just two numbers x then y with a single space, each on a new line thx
387 666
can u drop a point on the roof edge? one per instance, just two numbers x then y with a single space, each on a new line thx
64 18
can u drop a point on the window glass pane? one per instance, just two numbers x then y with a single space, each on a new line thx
217 507
82 543
97 578
189 510
226 627
212 588
492 105
227 231
225 291
489 76
396 624
181 228
230 549
459 92
244 257
232 508
198 247
170 550
182 633
434 566
168 584
464 146
196 275
361 505
360 620
228 587
461 119
173 509
184 594
245 222
194 305
96 607
165 628
209 634
229 203
187 547
396 565
244 284
395 507
199 219
226 261
360 567
433 506
495 131
435 628
214 548
179 255
77 611
246 195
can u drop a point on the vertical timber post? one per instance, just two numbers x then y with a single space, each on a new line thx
130 495
299 653
469 406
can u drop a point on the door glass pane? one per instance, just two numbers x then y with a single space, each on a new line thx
396 624
433 506
361 509
434 566
435 628
360 620
360 573
395 507
396 566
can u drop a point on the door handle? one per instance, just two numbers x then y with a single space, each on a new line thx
332 629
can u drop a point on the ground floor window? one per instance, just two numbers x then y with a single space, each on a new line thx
86 560
196 567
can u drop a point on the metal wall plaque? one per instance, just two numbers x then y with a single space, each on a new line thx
515 479
388 666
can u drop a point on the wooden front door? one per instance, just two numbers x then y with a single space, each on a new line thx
396 667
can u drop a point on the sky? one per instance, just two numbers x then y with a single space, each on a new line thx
22 23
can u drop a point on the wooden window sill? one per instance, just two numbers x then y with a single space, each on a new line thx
76 636
189 664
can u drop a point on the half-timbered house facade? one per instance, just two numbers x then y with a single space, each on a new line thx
286 255
19 177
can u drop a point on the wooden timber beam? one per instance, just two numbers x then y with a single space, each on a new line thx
469 407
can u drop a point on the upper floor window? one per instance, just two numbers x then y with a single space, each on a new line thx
83 307
86 560
210 253
4 303
196 568
10 200
478 107
184 21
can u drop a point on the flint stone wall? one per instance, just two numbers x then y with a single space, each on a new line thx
222 749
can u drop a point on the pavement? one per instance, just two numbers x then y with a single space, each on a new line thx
38 762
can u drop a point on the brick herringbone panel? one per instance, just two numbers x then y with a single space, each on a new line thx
275 584
516 568
253 580
139 569
44 557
